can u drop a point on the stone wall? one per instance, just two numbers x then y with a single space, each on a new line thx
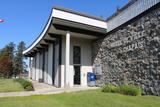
131 55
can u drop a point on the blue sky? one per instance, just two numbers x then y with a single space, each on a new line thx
25 19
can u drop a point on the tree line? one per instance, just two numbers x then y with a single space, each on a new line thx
11 60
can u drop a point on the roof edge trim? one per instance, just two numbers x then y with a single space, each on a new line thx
39 38
78 13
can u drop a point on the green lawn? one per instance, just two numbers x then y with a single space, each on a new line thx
81 99
9 85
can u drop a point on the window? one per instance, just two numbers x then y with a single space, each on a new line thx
76 55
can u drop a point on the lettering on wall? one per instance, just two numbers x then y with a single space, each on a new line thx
133 46
126 40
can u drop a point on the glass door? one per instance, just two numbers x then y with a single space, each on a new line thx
77 64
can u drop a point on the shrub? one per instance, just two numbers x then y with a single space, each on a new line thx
130 90
123 89
110 88
27 85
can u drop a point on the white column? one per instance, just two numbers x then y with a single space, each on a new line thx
37 66
34 68
56 65
46 67
50 64
40 66
67 60
29 72
30 67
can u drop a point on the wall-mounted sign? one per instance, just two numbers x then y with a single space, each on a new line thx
97 69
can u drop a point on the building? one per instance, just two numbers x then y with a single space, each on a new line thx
123 48
61 55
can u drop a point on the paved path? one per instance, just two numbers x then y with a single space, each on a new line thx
42 89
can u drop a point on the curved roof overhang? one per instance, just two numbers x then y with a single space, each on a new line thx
62 20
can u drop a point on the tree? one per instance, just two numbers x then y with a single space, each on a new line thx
10 49
18 60
11 60
6 60
4 63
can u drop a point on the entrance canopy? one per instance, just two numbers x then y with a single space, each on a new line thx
63 20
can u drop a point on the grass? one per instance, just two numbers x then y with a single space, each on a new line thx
94 98
9 85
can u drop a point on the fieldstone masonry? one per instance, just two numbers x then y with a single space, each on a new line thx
131 55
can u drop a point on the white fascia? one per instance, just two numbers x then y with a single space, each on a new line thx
78 18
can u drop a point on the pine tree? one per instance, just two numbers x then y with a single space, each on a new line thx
18 60
11 49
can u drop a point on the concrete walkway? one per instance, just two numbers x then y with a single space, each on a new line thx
43 89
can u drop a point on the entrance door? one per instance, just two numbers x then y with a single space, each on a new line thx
77 75
77 64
